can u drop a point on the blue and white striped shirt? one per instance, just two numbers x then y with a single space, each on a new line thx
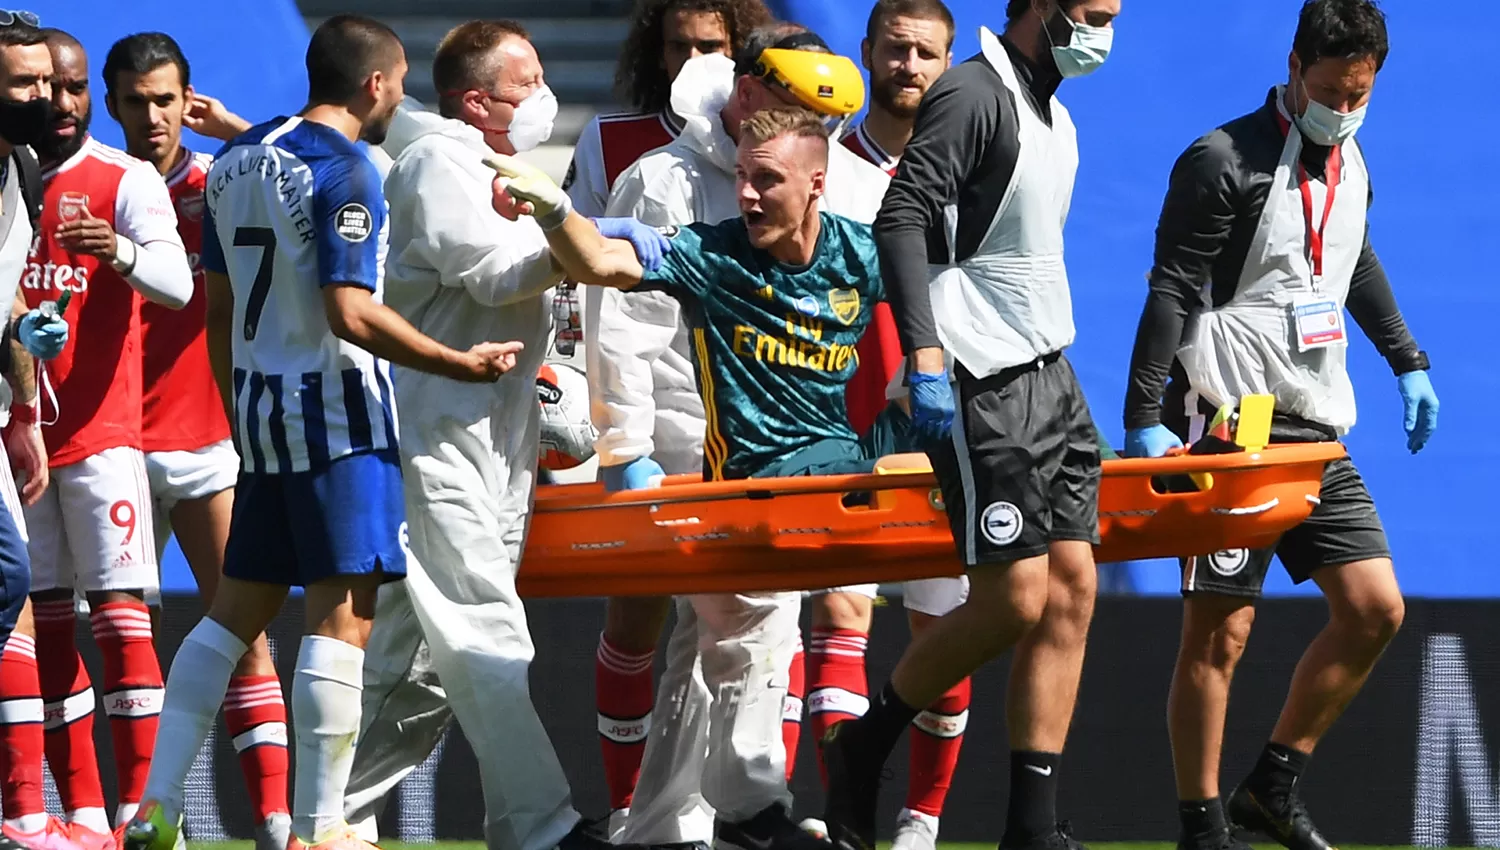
294 206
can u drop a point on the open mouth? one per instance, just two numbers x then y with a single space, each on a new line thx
755 219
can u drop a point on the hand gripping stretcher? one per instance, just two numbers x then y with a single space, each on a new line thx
691 536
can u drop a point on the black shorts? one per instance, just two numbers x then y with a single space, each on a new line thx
1022 467
1342 529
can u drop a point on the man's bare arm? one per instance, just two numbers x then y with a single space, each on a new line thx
587 257
22 375
220 318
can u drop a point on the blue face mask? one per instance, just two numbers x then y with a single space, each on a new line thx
1086 50
1326 126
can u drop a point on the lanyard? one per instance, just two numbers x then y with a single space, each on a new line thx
1331 177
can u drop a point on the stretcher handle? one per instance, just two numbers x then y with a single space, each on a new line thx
560 498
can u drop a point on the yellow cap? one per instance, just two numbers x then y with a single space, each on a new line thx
823 82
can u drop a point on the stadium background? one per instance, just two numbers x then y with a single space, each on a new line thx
1179 68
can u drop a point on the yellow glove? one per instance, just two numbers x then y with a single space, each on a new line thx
550 205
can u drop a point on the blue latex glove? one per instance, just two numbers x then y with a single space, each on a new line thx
648 242
931 405
43 336
1421 408
635 475
1155 441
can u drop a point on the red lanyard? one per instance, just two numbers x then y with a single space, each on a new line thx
1331 178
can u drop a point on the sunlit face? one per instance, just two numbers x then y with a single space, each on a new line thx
688 34
72 106
388 90
149 108
905 59
778 184
25 72
1342 85
519 76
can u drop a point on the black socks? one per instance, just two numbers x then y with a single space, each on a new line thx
884 723
1033 798
1276 773
1201 819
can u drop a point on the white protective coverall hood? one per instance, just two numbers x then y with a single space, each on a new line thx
462 275
644 396
729 655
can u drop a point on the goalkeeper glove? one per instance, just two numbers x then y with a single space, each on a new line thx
550 205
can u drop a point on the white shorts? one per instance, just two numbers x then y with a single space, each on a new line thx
931 596
93 529
184 476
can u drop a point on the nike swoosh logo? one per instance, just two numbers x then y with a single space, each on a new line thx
1281 758
1039 771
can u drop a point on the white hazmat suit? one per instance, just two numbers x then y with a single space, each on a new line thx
715 745
462 275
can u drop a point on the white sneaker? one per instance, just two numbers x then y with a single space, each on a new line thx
617 820
915 831
814 827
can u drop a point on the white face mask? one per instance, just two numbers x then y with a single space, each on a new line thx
1085 51
1326 126
532 123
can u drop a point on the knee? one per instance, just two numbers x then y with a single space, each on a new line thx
1216 632
1375 622
634 624
1073 583
1014 596
843 610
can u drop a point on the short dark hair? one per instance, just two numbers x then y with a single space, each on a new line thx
143 53
778 36
345 50
21 34
466 58
1017 8
640 79
1341 29
927 10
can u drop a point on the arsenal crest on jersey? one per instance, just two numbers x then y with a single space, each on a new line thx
191 207
845 304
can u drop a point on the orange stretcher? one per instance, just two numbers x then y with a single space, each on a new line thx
689 536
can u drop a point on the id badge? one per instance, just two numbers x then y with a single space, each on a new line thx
1319 323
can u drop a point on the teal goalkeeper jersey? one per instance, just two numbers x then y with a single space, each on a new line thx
773 345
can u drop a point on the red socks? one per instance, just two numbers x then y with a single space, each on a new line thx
20 729
791 710
937 736
839 690
255 713
68 698
623 693
132 690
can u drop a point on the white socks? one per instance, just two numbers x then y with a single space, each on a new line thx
326 695
195 690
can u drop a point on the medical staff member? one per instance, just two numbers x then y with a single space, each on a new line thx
25 110
971 239
1263 244
640 341
461 274
780 276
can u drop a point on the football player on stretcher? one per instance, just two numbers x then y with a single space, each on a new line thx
777 299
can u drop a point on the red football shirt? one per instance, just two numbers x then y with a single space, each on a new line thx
609 145
181 409
97 377
879 349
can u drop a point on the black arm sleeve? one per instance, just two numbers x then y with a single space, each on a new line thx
1196 219
953 127
1372 303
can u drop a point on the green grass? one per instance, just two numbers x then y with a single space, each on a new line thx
479 845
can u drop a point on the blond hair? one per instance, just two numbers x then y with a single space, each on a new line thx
769 124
